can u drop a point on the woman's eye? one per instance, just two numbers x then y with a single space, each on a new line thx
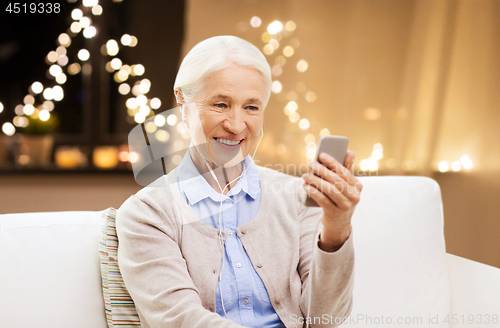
222 105
253 108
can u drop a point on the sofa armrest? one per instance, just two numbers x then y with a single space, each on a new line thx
475 290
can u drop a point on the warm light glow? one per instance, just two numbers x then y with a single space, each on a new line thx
124 88
83 54
133 41
90 3
171 119
19 110
75 27
159 120
288 51
63 60
268 49
74 68
37 87
280 60
324 132
77 14
126 39
371 114
377 154
48 105
21 121
150 127
122 75
180 128
162 135
28 109
116 63
443 166
302 65
136 90
133 157
310 138
390 163
89 32
44 115
97 10
139 69
131 103
58 93
155 103
294 117
266 37
275 27
8 129
52 56
105 157
1 107
310 96
55 70
291 95
310 153
144 110
112 47
276 70
292 107
304 124
276 87
85 22
379 146
29 99
455 166
290 26
139 118
61 78
144 86
466 162
255 21
141 100
274 43
311 145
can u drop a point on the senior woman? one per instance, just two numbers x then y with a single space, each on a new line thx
224 242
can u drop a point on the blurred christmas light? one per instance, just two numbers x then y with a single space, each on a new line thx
274 43
1 107
131 103
44 115
155 103
29 100
90 3
268 49
62 60
64 40
255 21
61 51
112 47
144 86
97 10
302 65
443 166
324 132
291 106
61 78
276 70
89 32
83 54
159 120
55 70
74 68
28 109
116 63
455 166
466 162
276 87
77 14
75 27
288 51
126 39
124 88
162 135
139 118
58 93
133 41
310 138
171 119
52 56
85 22
275 27
290 26
310 96
294 117
139 70
37 87
8 129
150 127
141 100
19 110
49 105
304 124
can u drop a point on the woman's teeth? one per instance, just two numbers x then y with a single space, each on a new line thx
227 142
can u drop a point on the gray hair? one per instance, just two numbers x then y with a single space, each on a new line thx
215 54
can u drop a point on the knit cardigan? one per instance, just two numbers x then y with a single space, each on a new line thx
170 260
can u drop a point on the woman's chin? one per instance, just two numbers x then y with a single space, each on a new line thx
224 155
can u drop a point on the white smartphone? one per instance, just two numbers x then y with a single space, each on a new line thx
335 146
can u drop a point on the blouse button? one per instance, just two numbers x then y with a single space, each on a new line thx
243 231
211 310
238 265
259 265
278 300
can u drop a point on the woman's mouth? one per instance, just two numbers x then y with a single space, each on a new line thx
230 143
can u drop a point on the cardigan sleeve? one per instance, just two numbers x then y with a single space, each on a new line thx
328 275
155 272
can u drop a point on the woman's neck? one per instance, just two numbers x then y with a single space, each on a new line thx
224 175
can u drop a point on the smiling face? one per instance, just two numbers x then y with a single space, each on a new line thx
226 115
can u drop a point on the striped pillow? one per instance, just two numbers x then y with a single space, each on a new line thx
120 308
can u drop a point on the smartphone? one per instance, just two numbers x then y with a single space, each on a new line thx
335 146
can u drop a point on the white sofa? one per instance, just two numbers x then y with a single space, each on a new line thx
50 273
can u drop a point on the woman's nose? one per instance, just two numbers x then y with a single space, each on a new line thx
235 122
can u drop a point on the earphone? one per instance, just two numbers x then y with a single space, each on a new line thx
221 242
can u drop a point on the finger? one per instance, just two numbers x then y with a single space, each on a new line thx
335 166
349 159
320 198
328 175
333 191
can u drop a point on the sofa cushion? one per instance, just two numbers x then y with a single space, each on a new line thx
120 308
49 270
401 272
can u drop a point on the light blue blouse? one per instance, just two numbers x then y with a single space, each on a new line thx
245 297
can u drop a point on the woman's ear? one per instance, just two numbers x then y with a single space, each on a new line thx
179 98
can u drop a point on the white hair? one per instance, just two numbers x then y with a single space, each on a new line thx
215 54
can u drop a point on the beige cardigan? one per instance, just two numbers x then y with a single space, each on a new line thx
170 260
